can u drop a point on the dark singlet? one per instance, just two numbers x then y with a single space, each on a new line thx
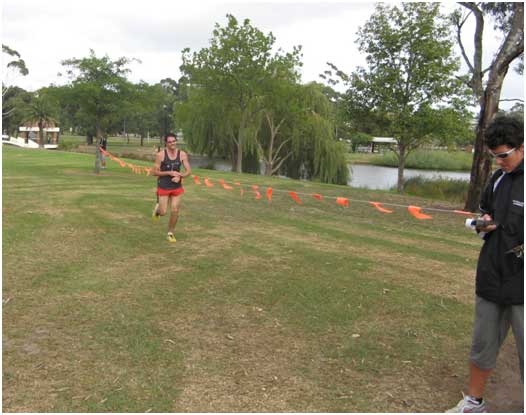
165 182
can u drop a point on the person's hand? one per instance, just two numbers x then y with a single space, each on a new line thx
176 176
488 228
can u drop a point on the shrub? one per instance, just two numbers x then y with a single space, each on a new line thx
453 190
429 160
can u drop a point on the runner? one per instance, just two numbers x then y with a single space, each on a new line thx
169 183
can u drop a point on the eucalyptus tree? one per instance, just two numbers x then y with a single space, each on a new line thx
232 71
409 74
509 20
14 66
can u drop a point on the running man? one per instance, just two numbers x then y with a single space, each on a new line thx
167 168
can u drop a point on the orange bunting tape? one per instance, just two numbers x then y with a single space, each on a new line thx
295 197
342 201
378 206
417 212
208 183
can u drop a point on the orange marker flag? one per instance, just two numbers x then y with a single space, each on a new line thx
196 180
295 197
342 201
221 181
122 163
462 212
207 182
258 195
226 186
417 212
237 183
255 187
378 206
317 196
269 194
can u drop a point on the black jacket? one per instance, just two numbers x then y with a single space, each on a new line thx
500 275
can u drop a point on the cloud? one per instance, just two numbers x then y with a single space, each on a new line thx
155 31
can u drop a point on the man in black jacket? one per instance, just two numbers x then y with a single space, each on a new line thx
500 270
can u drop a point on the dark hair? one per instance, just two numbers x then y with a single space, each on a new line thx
504 130
170 135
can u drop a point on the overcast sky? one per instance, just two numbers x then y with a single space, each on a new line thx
155 32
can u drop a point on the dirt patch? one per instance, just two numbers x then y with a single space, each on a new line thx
239 360
504 392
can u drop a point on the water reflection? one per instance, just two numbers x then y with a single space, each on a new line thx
362 175
379 177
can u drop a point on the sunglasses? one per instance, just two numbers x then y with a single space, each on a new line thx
502 155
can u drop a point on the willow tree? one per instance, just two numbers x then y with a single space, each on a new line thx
208 124
231 73
313 150
509 19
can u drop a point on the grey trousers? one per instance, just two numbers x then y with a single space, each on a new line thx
492 323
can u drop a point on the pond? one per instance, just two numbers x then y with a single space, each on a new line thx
362 175
380 177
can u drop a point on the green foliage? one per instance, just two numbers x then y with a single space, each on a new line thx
452 190
40 110
100 88
360 139
14 101
410 72
231 74
429 160
18 64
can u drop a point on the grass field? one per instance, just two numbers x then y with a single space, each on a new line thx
258 307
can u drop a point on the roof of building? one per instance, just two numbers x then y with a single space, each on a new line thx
386 140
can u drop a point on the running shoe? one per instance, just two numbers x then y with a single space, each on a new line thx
468 404
171 237
155 213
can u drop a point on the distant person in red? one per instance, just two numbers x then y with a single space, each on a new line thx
169 183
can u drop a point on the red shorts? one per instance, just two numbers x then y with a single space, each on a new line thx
170 192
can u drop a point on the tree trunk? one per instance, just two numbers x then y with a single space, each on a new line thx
401 165
239 158
511 49
481 167
41 132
